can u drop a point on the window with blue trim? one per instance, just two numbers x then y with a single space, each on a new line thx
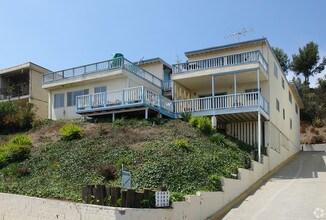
71 96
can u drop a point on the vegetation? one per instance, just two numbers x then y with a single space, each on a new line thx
306 62
71 132
15 118
282 58
172 154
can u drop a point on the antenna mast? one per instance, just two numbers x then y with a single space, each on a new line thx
243 32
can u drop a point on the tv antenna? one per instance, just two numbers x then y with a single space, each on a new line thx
242 32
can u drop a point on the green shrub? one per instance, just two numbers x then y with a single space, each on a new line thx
217 138
17 152
185 116
204 124
21 140
214 182
181 143
4 158
176 197
71 132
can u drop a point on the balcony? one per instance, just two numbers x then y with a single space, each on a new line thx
124 99
109 65
224 104
13 92
222 61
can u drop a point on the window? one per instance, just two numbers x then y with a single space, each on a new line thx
277 105
290 97
283 83
71 96
296 108
283 114
290 123
275 70
100 89
252 96
59 100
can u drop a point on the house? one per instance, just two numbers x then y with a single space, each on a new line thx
116 86
21 84
241 86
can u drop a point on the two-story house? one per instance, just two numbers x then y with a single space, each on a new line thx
241 86
21 84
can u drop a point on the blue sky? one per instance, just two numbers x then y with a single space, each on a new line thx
62 34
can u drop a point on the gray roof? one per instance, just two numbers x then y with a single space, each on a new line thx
153 60
210 49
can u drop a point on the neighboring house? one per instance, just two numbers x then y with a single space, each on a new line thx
241 86
110 87
21 84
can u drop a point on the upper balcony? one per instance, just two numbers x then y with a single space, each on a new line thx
14 92
221 61
105 66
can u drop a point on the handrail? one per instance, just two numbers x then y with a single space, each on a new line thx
220 61
112 64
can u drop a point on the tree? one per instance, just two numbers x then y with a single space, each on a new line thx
306 62
282 58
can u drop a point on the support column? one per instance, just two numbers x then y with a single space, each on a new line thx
214 122
113 117
235 89
213 85
259 137
258 88
146 113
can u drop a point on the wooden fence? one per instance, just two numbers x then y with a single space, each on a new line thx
116 197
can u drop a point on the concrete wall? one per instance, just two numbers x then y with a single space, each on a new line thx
38 96
200 206
313 147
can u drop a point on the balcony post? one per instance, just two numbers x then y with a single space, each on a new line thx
213 91
235 89
258 89
259 138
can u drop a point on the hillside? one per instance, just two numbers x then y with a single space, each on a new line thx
158 153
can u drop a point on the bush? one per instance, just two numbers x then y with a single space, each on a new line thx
214 182
185 116
217 138
176 197
109 171
317 139
181 143
21 140
317 122
17 149
204 124
15 118
71 132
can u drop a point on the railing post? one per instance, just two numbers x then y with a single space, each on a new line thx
143 94
105 99
123 97
90 100
192 105
122 62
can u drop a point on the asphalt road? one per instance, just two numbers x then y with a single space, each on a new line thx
296 191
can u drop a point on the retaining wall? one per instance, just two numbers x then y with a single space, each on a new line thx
199 206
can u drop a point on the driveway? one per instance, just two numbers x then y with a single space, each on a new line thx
296 191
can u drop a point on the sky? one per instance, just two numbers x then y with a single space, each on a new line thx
63 34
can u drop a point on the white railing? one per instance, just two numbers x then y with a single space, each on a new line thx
113 64
220 102
124 97
141 95
228 60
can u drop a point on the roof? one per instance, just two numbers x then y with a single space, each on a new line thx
211 49
296 95
154 60
28 65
